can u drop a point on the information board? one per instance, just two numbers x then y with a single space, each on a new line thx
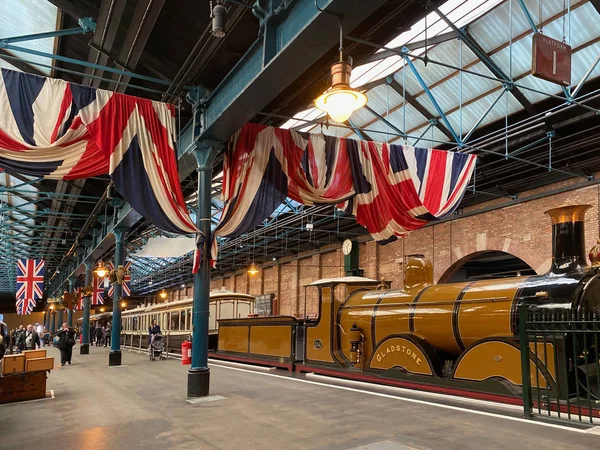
263 304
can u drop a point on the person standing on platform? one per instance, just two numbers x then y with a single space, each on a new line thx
99 334
107 331
66 341
154 329
29 339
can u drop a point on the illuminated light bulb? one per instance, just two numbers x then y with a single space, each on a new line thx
253 270
341 100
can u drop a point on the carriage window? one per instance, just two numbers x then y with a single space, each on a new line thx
174 321
134 323
189 323
183 320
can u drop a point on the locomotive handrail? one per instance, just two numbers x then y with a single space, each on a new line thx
443 302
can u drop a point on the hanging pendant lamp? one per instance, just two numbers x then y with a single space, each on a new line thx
101 271
341 100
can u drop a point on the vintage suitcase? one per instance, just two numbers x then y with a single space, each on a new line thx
30 354
22 387
551 60
39 364
13 364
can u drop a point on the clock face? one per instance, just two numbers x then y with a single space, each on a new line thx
347 247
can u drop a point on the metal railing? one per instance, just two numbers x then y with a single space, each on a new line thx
560 364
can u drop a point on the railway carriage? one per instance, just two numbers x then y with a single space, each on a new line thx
175 319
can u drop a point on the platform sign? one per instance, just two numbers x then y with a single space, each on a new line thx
551 60
263 304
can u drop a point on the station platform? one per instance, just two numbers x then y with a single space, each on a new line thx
142 405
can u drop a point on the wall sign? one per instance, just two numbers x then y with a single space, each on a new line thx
263 304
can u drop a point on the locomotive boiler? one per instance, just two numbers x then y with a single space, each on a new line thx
460 335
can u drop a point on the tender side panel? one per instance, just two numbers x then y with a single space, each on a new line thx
485 310
271 340
233 338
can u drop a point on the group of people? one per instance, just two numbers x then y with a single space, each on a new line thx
34 337
101 334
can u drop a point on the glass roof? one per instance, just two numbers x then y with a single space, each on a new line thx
22 17
464 98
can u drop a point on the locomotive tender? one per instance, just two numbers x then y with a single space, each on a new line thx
457 337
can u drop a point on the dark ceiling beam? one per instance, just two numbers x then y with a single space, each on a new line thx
77 8
107 26
488 62
596 5
142 23
412 101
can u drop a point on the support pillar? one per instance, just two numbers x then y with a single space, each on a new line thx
53 326
85 330
59 321
70 311
199 373
114 357
47 319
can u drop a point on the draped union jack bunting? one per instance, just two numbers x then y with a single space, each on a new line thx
126 281
97 291
390 189
79 305
60 130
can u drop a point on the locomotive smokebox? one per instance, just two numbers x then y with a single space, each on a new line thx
568 238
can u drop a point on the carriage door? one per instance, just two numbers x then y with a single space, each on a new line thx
212 316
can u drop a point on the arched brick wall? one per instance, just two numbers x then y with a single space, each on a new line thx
484 243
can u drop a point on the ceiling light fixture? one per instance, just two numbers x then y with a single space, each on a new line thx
341 100
101 271
218 14
163 294
253 270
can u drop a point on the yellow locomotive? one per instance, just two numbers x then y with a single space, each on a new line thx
455 337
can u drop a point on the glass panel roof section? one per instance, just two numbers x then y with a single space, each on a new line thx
22 17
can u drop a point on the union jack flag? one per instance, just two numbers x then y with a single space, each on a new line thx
391 189
97 291
59 130
30 279
25 306
126 281
79 306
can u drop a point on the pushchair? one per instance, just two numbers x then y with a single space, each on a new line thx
156 348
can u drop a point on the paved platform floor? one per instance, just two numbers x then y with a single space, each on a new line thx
142 405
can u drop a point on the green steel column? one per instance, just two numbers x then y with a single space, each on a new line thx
70 311
53 326
114 357
47 319
60 319
85 341
199 373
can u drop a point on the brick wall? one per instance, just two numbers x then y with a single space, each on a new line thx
520 229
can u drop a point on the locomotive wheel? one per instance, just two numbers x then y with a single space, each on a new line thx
407 353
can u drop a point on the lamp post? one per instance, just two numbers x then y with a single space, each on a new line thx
114 357
85 340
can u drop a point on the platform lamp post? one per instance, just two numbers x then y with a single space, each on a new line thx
53 325
85 340
114 357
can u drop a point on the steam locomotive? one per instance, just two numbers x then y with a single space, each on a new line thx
456 337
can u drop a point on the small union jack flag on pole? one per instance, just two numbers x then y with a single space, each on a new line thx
79 295
126 281
97 291
30 278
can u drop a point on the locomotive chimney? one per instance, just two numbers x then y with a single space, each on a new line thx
568 238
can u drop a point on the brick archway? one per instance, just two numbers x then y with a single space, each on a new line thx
483 243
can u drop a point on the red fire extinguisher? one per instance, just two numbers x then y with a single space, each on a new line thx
186 352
